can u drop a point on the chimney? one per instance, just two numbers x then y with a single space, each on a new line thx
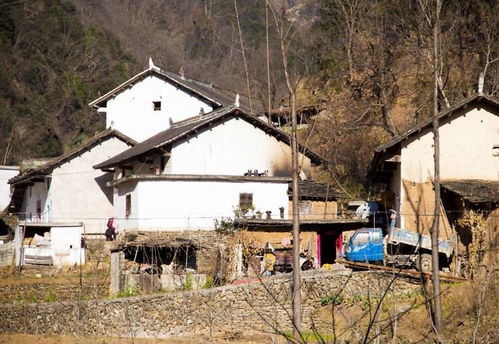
480 83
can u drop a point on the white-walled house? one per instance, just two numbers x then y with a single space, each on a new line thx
148 102
204 168
63 199
469 165
6 173
67 188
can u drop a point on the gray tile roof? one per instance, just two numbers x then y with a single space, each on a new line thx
186 127
214 96
478 98
311 190
53 163
474 190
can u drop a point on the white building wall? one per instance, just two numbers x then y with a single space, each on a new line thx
37 192
132 111
120 194
466 146
78 192
232 148
191 205
6 172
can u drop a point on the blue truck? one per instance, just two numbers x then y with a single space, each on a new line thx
399 247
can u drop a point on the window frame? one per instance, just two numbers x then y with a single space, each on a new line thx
246 200
128 205
156 105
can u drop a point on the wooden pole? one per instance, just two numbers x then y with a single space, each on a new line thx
437 303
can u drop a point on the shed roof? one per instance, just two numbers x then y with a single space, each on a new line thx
182 129
474 190
310 190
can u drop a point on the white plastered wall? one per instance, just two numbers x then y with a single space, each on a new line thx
132 112
34 193
466 145
6 173
191 205
77 192
466 152
232 148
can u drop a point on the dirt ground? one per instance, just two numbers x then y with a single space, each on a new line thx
32 339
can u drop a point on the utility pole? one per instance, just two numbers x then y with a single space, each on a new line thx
437 302
296 224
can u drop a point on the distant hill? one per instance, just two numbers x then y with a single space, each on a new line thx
51 66
367 62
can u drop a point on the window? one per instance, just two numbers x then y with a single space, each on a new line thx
245 201
305 208
128 205
361 238
376 237
495 150
156 105
39 209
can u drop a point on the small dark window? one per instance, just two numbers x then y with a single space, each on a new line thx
128 205
156 106
245 201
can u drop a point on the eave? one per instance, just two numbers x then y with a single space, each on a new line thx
198 177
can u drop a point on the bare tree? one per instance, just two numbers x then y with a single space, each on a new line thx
283 32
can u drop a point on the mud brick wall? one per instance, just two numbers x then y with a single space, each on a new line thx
249 307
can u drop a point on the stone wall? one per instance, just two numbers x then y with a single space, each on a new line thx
244 308
7 254
53 289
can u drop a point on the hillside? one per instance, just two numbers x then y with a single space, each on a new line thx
367 62
51 66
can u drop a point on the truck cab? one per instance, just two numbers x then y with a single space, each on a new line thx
366 245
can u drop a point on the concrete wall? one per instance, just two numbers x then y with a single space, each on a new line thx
63 246
179 205
132 112
245 308
6 172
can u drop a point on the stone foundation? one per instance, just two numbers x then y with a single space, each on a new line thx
261 305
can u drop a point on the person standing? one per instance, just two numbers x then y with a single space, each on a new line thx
111 229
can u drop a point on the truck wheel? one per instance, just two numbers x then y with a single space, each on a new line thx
424 263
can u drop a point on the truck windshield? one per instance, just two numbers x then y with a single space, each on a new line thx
361 238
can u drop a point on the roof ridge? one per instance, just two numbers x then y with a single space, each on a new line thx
475 96
87 143
198 118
